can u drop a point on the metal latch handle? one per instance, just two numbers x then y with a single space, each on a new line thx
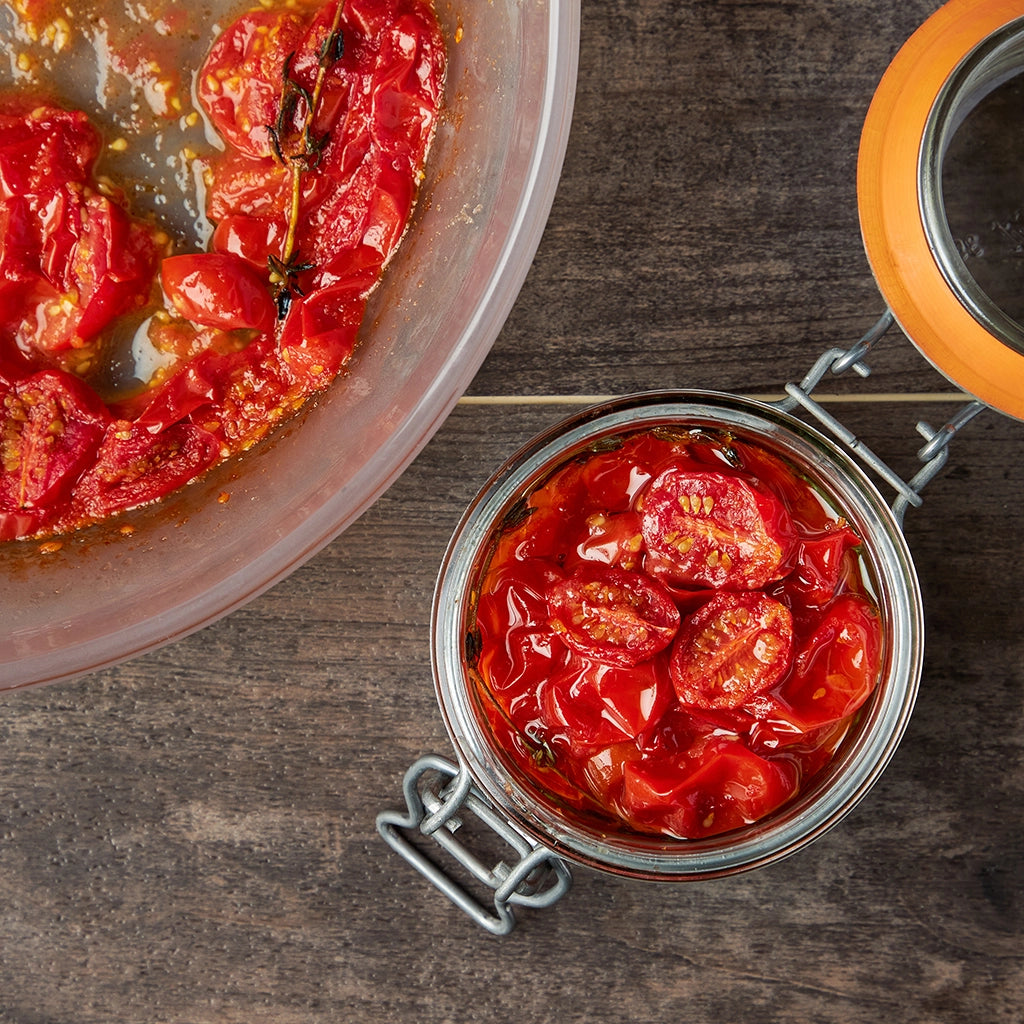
934 454
537 879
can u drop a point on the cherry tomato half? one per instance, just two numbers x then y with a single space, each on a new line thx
820 565
611 539
134 467
42 148
714 529
240 83
593 704
612 615
519 650
51 426
736 646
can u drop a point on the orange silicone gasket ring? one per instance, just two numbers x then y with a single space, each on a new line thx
890 204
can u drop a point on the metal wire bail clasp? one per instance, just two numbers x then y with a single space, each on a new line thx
935 452
537 879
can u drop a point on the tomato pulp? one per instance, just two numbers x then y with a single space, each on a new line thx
326 112
673 633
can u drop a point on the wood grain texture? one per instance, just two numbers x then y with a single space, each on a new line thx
190 836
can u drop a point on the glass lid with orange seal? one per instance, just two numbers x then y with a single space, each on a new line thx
940 198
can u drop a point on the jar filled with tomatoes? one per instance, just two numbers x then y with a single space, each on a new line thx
677 635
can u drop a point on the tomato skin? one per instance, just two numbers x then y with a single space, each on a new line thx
735 647
714 529
51 426
19 241
835 670
134 467
242 185
612 615
716 786
240 83
220 290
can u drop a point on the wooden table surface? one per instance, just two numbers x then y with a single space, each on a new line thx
190 836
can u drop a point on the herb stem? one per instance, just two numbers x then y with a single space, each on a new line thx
307 153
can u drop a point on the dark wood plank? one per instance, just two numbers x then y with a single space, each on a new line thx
706 232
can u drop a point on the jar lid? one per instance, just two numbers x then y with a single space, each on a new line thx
961 54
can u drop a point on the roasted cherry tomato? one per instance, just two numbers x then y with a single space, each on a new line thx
736 646
592 704
820 564
322 331
613 539
79 257
518 650
714 529
51 426
42 148
612 615
134 467
240 83
108 271
219 290
834 672
716 786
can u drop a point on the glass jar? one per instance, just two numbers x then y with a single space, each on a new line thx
864 752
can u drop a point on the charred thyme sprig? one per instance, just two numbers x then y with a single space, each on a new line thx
300 150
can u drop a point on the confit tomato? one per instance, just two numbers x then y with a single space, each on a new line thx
79 258
134 467
240 83
107 271
43 147
735 647
51 427
612 615
321 331
588 704
717 785
613 539
714 529
518 649
834 672
219 289
821 564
